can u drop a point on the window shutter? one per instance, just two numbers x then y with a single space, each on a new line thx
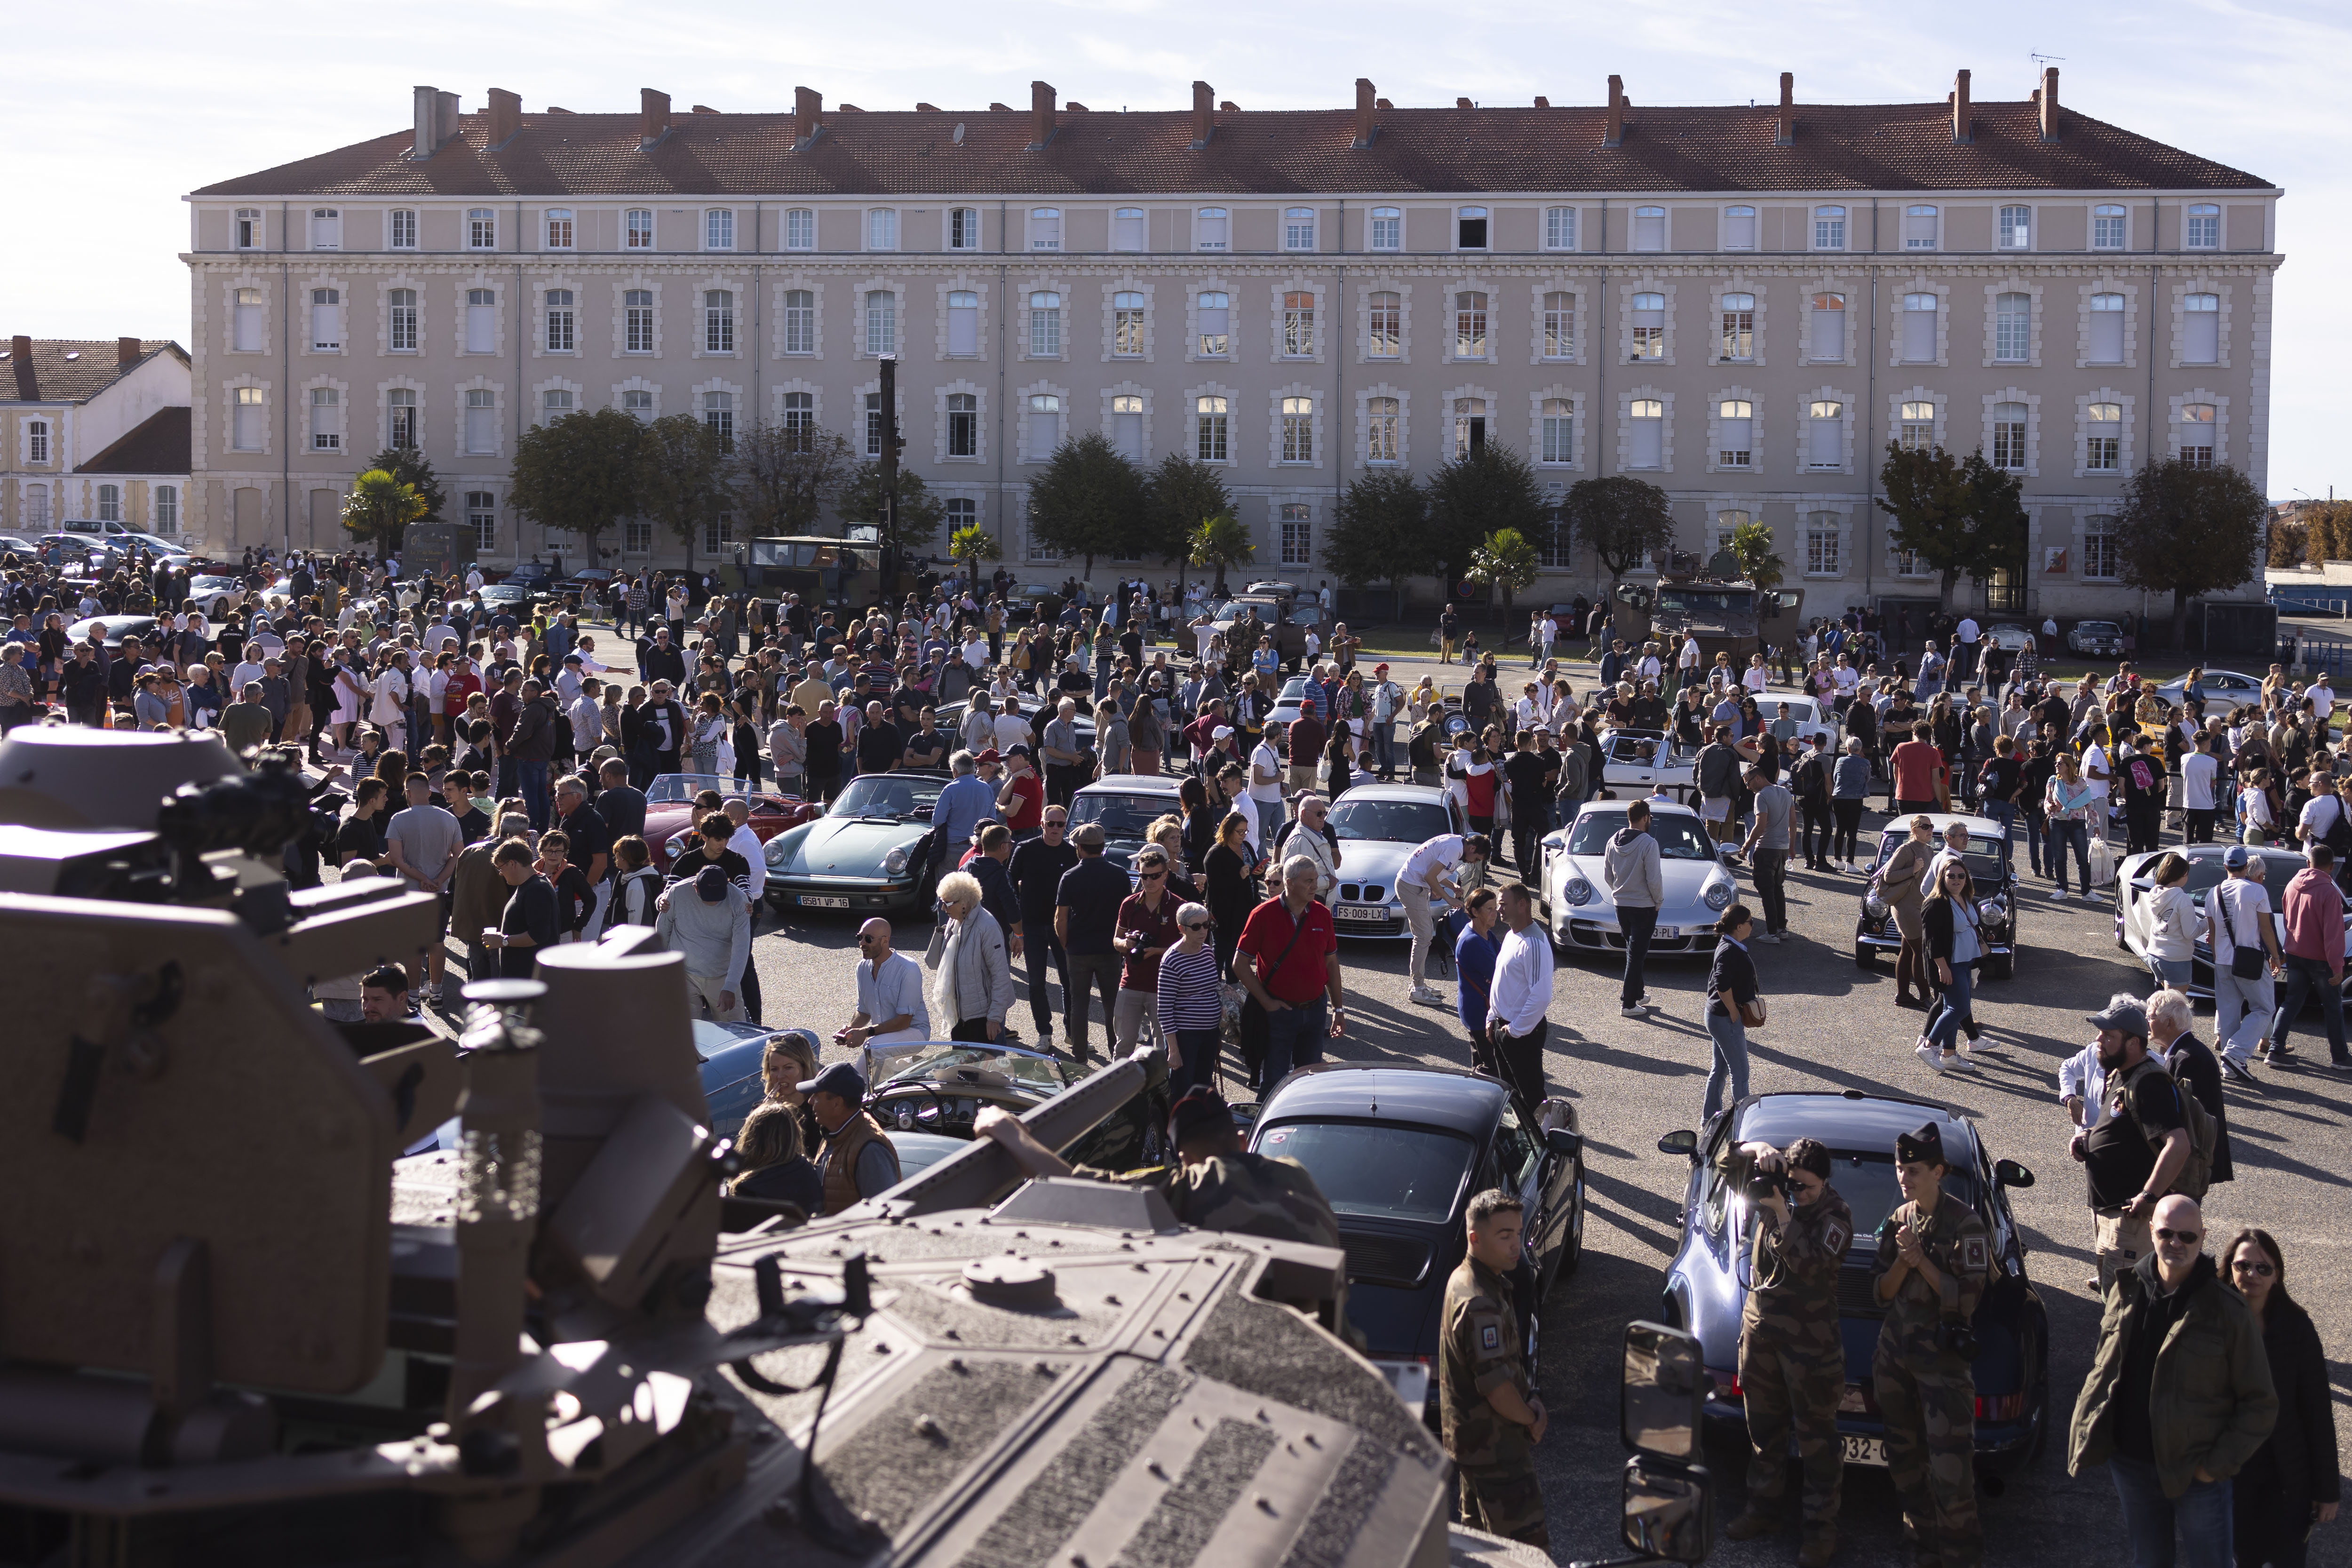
1126 434
248 328
1648 443
481 330
1128 232
2108 337
1825 444
1212 320
1919 336
1739 232
1829 334
1045 431
480 433
963 330
2200 337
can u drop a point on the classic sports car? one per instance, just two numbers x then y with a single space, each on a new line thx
936 1088
2136 880
1400 1151
1577 909
2222 689
1125 805
870 850
1378 825
1992 863
2096 637
1809 715
670 811
111 629
1635 761
1706 1284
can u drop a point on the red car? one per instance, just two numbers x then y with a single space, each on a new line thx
670 811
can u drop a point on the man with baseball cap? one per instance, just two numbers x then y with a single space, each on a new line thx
858 1160
712 930
2138 1150
1386 699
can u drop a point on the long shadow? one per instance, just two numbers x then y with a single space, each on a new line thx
1632 1204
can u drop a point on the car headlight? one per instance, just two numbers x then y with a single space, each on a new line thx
1718 896
1577 891
1875 906
1994 911
676 845
894 862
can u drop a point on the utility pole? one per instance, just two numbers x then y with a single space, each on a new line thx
891 564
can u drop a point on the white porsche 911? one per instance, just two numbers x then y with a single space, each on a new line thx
1581 915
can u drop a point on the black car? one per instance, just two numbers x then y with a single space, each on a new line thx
589 585
1400 1151
1992 860
536 575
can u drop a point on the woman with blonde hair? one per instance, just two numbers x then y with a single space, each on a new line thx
772 1155
971 980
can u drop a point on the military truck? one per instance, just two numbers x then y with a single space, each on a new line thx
1728 613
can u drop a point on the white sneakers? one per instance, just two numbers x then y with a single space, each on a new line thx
1428 997
1927 1052
1634 1011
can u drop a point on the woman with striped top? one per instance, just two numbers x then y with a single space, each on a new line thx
1191 1004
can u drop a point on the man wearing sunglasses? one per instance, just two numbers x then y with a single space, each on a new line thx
2140 1149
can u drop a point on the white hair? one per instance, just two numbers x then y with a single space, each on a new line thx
961 762
2171 1007
1299 866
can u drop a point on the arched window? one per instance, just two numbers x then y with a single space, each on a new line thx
2106 329
2103 438
1649 228
1469 425
1044 325
2009 437
2107 223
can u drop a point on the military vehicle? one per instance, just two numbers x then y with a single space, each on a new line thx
1725 611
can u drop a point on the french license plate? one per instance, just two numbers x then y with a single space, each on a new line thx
822 901
1865 1450
1346 913
1410 1379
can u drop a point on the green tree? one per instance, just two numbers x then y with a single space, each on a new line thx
1625 520
919 511
407 464
1997 502
1180 492
1751 546
1934 505
682 478
1089 501
972 544
578 474
1380 533
1218 542
2187 530
783 476
379 509
1485 490
1507 559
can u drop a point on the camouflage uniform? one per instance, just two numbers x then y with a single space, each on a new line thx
1247 1194
1478 1349
1928 1395
1791 1358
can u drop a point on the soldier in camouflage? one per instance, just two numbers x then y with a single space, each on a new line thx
1791 1358
1492 1418
1934 1261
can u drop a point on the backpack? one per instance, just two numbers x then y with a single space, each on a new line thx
2204 1133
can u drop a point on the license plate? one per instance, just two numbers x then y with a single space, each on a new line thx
1410 1379
822 901
1345 913
1865 1450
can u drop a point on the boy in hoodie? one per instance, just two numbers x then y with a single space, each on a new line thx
1635 876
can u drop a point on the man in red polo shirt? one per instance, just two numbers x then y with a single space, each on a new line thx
1022 797
1293 973
1914 764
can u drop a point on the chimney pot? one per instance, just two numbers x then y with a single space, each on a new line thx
808 115
506 117
1614 136
1041 115
1784 128
2048 97
1962 124
653 116
1204 97
127 351
1365 104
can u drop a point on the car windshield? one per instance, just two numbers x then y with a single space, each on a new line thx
1637 749
1390 821
1867 1183
1378 1169
1677 601
1678 834
710 1038
1036 1072
2097 628
1294 690
2207 871
1982 859
676 789
899 796
1122 815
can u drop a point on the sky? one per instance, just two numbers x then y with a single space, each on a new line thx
129 106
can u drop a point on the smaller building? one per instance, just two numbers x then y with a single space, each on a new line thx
93 432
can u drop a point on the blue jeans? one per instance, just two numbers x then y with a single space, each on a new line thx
2304 975
1731 1060
1952 1006
1293 1038
1199 1047
1384 748
2199 1518
2005 813
531 778
2062 834
2036 830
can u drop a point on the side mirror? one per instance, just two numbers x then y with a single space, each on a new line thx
2010 1173
1685 1142
1663 1393
1668 1513
1568 1146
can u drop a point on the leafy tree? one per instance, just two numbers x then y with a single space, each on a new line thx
408 465
1218 542
1089 501
1625 520
1998 504
1751 546
379 509
2323 528
578 474
1507 560
919 511
1180 492
972 544
1475 495
682 477
1934 508
1380 533
782 476
2187 530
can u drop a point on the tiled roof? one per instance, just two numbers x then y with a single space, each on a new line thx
1904 146
160 444
67 370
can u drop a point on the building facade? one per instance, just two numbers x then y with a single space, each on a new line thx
93 432
1744 305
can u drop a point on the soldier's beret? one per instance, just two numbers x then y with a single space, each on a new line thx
1923 1144
1198 1106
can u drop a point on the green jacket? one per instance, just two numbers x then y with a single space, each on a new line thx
2212 1402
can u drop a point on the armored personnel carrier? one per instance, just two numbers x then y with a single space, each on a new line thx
1726 612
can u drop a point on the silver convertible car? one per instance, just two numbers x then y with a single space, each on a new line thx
1577 906
1378 825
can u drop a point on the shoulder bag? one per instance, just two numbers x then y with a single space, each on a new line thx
2246 962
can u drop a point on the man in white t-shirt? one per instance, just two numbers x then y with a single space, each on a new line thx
1964 648
2323 703
1012 730
2321 813
2238 913
2095 769
1266 780
1423 887
2198 772
390 711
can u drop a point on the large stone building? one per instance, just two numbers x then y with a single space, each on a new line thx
1744 304
93 433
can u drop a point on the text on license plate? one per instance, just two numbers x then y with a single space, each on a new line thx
1862 1451
1345 913
822 901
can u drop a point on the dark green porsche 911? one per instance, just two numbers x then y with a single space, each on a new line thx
869 852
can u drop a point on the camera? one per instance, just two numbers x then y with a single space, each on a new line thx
1764 1185
1957 1338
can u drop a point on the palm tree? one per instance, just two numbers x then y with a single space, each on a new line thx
1219 543
972 544
380 509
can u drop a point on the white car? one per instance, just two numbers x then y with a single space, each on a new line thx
1811 718
2223 689
1577 909
1635 762
214 594
2136 881
1379 826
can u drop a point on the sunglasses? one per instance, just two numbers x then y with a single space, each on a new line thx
1149 871
2260 1270
2180 1238
1195 925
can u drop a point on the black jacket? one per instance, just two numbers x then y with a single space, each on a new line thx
1940 920
657 663
1037 872
2300 1457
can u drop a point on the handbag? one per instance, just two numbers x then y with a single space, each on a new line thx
1751 1013
2246 963
2103 863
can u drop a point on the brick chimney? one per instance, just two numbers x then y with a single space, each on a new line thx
1614 136
1365 128
1961 130
1041 115
653 116
1463 103
506 117
808 116
1784 128
1204 99
127 351
2048 99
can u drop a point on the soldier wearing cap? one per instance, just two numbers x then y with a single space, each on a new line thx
1934 1261
1492 1416
859 1160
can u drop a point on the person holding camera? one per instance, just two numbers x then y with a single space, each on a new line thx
1935 1260
1791 1360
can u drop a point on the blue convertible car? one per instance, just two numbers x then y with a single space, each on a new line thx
1706 1283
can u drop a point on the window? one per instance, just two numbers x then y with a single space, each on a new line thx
1649 327
167 509
1470 229
1469 425
247 328
1209 428
1045 228
1829 327
1645 442
36 506
1126 425
2012 327
638 401
1380 430
2106 329
963 512
1383 325
481 321
1126 325
326 419
1470 324
326 229
1919 328
1045 424
1739 326
637 229
1298 228
1044 325
554 403
400 425
1726 525
1825 433
1298 325
1215 314
2197 425
1298 429
873 431
2201 229
1298 535
2102 441
560 321
2200 329
399 229
326 321
1822 545
964 323
1919 228
719 322
881 322
1649 228
558 229
1211 228
1127 229
110 503
718 229
882 229
1739 228
1829 228
1914 431
1556 541
800 229
2016 228
481 229
636 537
1387 230
248 228
2009 438
481 421
719 418
963 228
2107 228
1906 562
800 420
2102 550
244 431
400 335
1734 433
482 517
638 321
1559 430
1559 228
